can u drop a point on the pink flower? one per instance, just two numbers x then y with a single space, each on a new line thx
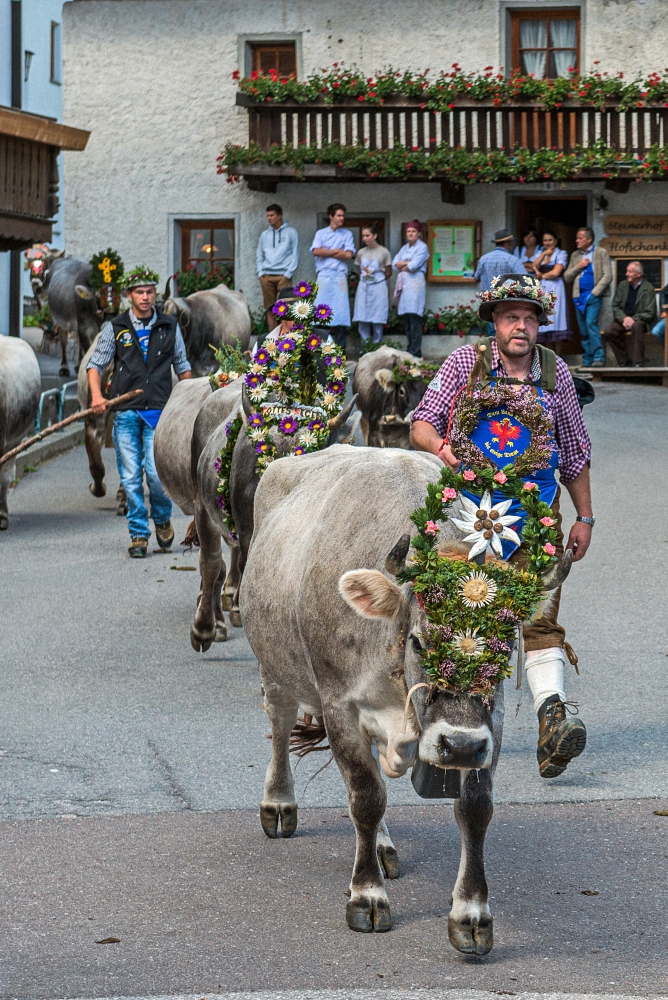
550 549
501 477
547 521
448 494
529 486
431 528
469 476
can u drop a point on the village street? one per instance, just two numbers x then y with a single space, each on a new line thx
131 768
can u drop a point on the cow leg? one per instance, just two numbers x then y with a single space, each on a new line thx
94 452
233 580
122 501
64 369
221 627
369 907
470 924
279 788
387 852
5 476
211 565
235 613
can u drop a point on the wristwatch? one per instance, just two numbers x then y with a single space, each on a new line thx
587 520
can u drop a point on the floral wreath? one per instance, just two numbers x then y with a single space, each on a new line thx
140 275
473 612
407 371
529 289
35 257
233 362
105 277
287 367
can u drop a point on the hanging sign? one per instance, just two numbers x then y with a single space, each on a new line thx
636 225
635 246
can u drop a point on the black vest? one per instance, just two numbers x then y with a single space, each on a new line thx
131 372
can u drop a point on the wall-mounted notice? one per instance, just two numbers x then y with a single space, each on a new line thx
454 249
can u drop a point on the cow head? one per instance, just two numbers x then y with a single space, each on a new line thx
455 730
394 427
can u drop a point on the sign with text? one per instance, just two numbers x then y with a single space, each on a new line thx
636 225
454 248
635 246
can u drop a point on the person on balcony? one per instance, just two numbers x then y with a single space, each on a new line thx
590 270
332 248
277 259
411 287
529 250
495 263
374 265
634 309
549 267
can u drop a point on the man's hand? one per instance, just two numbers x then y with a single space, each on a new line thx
627 322
97 401
582 264
579 540
99 404
446 455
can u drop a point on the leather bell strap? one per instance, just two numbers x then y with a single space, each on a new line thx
408 703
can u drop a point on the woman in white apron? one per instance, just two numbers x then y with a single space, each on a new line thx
411 286
374 266
548 267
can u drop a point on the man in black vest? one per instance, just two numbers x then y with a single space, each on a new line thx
145 345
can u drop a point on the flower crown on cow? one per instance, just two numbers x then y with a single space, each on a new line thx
473 609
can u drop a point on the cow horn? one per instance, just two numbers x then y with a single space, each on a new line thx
340 419
555 576
396 560
245 402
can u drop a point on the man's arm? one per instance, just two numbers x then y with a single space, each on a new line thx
97 400
604 282
180 363
618 301
579 538
425 437
99 359
293 262
646 304
259 257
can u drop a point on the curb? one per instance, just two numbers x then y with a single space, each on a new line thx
54 445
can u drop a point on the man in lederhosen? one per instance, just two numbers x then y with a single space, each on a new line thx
516 318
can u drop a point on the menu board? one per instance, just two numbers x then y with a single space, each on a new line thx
454 249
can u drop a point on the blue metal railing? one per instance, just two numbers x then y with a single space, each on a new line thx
59 396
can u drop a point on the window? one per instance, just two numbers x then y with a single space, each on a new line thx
545 43
56 57
279 56
207 245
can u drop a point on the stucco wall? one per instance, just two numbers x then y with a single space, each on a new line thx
152 81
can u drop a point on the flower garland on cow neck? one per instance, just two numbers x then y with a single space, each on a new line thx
407 371
233 362
222 465
473 612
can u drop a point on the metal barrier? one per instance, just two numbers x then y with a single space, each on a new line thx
59 396
61 400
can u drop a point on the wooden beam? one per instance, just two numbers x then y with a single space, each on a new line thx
37 128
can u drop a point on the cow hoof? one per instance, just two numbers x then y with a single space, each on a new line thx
4 522
235 617
226 602
198 644
366 915
98 489
64 371
474 937
221 633
389 861
269 816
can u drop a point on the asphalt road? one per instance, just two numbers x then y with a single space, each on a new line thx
131 768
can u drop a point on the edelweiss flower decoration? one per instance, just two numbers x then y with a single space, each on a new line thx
486 525
477 590
468 642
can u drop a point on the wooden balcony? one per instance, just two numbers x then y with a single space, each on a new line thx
29 147
468 125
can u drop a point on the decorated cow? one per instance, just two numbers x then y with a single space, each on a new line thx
389 385
209 319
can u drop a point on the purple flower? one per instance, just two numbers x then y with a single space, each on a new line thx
447 668
289 425
287 344
228 428
330 360
262 356
496 645
323 312
313 342
302 290
220 503
280 308
216 465
299 450
487 671
316 425
508 617
261 447
256 420
253 379
435 595
439 633
336 388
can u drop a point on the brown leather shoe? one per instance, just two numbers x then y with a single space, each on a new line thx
165 534
559 739
138 548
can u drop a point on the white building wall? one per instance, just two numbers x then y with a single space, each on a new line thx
152 81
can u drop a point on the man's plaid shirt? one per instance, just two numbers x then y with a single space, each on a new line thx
570 432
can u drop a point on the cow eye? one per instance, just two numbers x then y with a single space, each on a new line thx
417 645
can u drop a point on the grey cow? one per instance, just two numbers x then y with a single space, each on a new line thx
73 304
386 405
20 388
336 637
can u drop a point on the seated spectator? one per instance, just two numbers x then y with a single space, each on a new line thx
659 331
634 309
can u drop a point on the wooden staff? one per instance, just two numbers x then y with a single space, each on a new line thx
81 415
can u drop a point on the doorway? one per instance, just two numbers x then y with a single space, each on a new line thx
564 216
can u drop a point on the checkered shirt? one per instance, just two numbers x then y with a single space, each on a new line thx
570 432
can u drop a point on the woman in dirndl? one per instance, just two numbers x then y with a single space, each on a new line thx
374 265
548 267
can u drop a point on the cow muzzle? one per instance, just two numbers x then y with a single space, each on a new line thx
455 747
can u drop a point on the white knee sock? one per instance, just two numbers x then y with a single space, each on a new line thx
545 673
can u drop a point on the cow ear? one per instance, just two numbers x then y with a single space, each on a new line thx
384 378
84 293
371 594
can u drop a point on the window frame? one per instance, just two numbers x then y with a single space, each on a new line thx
56 53
186 226
246 41
256 48
542 14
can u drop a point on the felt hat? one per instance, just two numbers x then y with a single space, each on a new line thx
502 236
517 288
137 277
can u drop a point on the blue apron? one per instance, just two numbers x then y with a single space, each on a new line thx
502 438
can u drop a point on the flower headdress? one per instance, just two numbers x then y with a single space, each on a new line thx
517 288
140 275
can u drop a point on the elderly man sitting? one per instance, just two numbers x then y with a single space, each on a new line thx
634 309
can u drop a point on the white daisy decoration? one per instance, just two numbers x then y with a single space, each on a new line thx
283 360
485 525
469 642
257 394
257 369
329 347
233 375
301 310
414 372
271 346
477 590
308 438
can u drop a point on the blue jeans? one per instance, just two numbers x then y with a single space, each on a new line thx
133 440
659 331
592 345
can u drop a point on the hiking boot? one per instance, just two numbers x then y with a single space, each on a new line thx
559 739
138 548
165 534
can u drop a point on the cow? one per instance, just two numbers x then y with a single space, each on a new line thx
73 304
20 388
386 405
212 317
188 440
337 638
